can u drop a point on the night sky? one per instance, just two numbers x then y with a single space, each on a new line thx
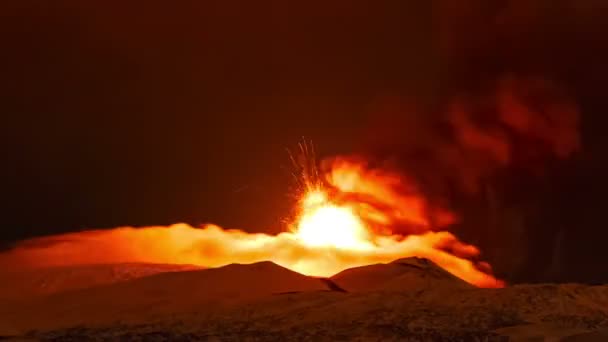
141 113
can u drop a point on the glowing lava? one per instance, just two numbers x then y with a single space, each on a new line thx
360 216
323 224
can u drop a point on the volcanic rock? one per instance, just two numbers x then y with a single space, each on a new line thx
42 281
159 294
265 302
408 274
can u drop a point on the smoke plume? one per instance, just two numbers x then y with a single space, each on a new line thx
502 113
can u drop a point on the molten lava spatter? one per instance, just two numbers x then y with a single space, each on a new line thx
324 224
371 217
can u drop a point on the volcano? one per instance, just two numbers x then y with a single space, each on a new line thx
35 282
408 298
407 275
366 257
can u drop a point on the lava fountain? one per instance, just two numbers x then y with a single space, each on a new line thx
355 216
324 224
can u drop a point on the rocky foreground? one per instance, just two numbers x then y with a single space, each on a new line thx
409 299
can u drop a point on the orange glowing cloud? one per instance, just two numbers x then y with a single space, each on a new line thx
327 237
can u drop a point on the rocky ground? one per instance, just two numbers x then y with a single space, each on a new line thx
410 299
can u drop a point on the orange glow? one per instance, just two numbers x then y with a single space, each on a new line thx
347 224
323 224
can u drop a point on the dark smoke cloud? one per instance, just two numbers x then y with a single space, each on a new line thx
504 111
518 121
512 121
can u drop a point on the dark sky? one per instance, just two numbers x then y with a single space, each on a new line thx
143 113
149 113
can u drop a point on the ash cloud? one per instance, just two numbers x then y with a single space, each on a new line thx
503 115
515 121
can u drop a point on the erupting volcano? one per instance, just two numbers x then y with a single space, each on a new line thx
457 193
352 215
315 226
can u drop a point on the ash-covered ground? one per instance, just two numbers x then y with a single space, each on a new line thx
409 299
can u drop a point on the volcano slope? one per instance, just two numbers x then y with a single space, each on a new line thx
23 283
409 299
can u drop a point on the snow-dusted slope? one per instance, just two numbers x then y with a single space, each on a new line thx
33 282
267 302
409 274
